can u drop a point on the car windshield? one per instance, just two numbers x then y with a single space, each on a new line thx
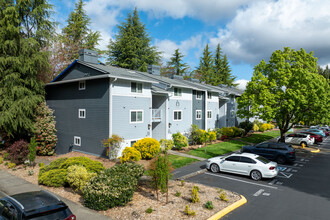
263 160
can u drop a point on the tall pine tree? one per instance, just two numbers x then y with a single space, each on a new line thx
20 62
205 69
131 48
176 63
217 78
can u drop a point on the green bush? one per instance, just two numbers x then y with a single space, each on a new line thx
218 133
56 178
177 194
32 150
188 211
5 155
179 140
11 165
196 134
194 194
130 154
52 166
148 147
149 210
211 136
255 127
246 125
113 187
78 176
209 205
166 144
227 131
1 160
89 164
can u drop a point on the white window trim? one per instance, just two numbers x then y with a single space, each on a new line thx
137 90
209 94
174 114
83 82
75 138
82 110
180 95
207 114
197 95
197 114
130 114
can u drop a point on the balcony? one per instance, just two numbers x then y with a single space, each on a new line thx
156 115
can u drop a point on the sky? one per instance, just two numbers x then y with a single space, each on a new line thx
247 30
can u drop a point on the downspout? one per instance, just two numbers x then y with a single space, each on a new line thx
205 112
110 105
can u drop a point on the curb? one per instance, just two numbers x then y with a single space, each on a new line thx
315 151
192 174
228 209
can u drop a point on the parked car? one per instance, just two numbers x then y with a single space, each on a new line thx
316 131
317 137
38 205
325 130
279 152
299 139
247 164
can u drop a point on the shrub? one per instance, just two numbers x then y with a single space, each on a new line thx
78 176
30 172
41 164
149 210
148 147
194 194
89 164
188 211
246 125
209 205
112 187
1 160
45 131
18 152
130 154
166 144
56 178
11 165
255 127
227 131
55 164
218 133
5 155
112 144
179 140
177 194
196 134
32 151
182 182
211 136
223 197
262 128
236 131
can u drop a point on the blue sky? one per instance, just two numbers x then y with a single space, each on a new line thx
247 30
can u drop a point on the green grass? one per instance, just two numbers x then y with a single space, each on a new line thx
178 161
257 138
214 150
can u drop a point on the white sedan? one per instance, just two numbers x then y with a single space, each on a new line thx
245 164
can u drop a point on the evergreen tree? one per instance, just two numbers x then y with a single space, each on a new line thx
227 78
205 71
177 64
217 78
20 62
131 48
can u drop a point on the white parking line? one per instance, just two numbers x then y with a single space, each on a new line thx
243 181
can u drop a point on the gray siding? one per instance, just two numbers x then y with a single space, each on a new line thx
66 99
78 71
222 117
159 128
198 104
184 125
231 112
214 107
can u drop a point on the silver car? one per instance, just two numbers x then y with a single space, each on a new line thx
299 139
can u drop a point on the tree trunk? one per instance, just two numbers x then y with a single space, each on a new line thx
282 137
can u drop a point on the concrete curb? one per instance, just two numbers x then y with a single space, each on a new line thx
228 209
315 151
192 174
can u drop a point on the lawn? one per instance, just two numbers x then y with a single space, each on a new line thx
214 150
178 161
257 138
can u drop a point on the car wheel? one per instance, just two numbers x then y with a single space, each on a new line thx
281 160
255 175
303 144
214 168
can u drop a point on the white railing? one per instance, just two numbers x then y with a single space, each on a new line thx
156 115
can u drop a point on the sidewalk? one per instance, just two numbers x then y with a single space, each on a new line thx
10 185
185 155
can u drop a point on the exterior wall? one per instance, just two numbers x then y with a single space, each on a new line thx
183 103
222 117
231 112
123 88
213 105
66 100
198 104
159 128
78 71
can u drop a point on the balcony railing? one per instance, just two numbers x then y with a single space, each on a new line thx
156 115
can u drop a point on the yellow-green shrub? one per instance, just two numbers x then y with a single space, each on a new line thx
255 127
130 154
166 144
78 176
194 194
180 141
227 131
211 136
1 160
189 211
148 147
11 165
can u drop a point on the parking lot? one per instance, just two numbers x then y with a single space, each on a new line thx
300 191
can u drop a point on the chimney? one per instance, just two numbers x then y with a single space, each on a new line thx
154 70
89 56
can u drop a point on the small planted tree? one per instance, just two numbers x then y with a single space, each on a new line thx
112 145
166 144
32 151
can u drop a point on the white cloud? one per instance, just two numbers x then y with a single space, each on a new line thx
258 30
241 83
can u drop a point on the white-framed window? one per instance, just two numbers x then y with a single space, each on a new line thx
82 85
209 95
136 87
199 95
198 114
177 115
136 116
177 92
82 113
209 114
77 141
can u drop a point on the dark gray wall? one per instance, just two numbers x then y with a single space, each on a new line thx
66 99
198 104
231 112
78 71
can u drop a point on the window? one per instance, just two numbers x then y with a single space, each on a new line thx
136 116
177 116
247 160
82 113
199 95
77 141
132 143
233 158
209 95
209 114
82 85
262 146
136 87
177 92
198 114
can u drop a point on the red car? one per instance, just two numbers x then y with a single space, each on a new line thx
318 138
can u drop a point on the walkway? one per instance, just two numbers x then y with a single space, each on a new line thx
185 155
